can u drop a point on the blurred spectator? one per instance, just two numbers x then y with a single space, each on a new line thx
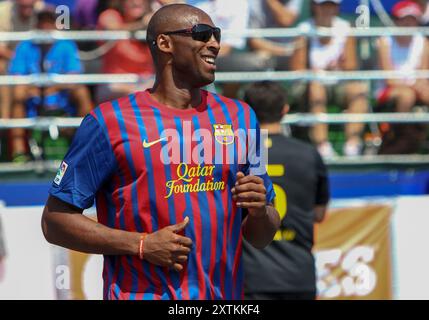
233 56
19 15
273 14
127 56
15 15
337 52
424 6
407 54
227 15
60 57
85 14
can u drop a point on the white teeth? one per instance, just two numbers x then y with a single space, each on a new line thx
209 60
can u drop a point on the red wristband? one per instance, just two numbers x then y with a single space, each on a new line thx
143 236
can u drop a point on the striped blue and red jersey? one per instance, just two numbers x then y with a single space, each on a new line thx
148 166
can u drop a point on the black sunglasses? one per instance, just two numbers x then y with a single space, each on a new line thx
199 32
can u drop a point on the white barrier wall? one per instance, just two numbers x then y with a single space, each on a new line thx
34 270
410 247
28 266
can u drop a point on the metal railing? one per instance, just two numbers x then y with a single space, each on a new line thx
100 35
53 124
300 119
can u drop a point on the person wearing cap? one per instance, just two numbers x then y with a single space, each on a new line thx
334 53
406 54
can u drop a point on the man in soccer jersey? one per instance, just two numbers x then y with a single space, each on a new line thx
302 195
170 215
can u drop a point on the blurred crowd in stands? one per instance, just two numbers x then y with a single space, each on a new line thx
337 52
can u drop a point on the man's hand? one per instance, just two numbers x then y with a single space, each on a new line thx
250 193
166 248
263 220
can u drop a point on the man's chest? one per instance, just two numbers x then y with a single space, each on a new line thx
180 155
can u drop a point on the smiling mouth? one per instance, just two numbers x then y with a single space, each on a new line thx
209 60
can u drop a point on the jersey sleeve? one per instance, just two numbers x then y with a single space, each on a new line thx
257 156
322 190
87 165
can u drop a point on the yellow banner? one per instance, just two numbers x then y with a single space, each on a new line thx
353 254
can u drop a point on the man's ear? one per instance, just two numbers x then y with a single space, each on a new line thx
164 43
286 109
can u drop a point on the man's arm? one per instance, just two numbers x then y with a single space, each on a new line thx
284 16
262 221
268 46
299 56
319 213
322 189
349 58
66 226
260 230
384 61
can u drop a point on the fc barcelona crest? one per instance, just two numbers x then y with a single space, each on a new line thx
223 133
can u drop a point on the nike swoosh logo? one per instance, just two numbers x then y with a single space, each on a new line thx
150 144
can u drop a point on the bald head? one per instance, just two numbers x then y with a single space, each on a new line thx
173 17
184 58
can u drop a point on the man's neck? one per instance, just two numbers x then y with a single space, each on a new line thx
273 128
171 93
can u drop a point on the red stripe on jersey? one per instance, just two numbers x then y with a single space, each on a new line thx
162 207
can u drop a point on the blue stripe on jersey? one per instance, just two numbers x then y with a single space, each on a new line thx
254 125
175 276
136 218
193 282
241 123
204 209
152 195
231 183
220 211
111 212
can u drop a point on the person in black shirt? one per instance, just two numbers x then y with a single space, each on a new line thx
285 269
